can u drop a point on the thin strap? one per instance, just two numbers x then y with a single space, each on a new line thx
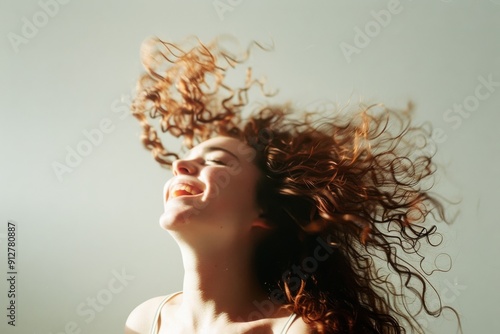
288 323
154 328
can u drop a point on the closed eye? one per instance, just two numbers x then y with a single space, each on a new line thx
214 161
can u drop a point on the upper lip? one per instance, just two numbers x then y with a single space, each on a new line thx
191 186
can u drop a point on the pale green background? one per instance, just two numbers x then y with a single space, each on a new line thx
104 215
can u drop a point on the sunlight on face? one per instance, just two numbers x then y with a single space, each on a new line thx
213 188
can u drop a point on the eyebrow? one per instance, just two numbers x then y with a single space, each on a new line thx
217 148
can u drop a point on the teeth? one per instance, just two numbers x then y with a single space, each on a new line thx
187 188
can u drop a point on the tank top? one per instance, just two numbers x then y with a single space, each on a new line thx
154 328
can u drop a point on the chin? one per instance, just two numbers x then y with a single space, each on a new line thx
165 222
172 220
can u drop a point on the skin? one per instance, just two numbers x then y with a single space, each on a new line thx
216 223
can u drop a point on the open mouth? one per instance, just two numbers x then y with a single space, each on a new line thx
183 189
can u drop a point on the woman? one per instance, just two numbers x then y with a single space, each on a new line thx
286 224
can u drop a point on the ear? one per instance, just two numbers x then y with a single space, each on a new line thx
261 223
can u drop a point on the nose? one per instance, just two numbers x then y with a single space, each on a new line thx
184 167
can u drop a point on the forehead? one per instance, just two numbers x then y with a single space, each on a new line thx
220 141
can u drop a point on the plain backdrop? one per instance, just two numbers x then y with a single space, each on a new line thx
89 247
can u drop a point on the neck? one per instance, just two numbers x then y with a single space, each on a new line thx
219 284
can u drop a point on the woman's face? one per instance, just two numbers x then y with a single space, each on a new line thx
213 189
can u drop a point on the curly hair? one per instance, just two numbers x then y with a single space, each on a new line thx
355 185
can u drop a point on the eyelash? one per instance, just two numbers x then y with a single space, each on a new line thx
215 161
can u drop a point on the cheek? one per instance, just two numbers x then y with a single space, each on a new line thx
237 190
234 167
165 188
222 180
241 194
217 183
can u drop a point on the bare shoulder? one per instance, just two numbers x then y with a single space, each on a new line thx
299 327
141 318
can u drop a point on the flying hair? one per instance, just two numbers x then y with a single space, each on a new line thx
356 180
